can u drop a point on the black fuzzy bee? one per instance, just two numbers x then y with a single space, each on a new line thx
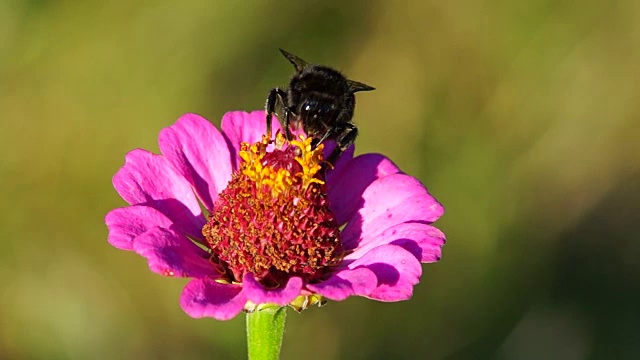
321 100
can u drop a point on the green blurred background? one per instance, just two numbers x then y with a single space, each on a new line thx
522 117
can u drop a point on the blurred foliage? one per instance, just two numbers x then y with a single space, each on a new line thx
521 117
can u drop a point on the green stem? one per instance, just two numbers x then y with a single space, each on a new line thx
265 328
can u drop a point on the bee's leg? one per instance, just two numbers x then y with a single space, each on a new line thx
346 138
270 107
316 142
286 124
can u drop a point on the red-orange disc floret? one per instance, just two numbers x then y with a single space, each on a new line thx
273 219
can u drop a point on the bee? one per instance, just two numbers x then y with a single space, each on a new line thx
320 100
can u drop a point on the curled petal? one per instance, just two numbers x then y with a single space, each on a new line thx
208 298
172 254
126 223
423 241
148 179
388 201
199 153
356 282
397 271
281 296
347 183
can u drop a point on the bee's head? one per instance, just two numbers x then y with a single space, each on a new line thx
315 109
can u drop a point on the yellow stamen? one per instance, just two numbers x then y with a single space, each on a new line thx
309 160
279 180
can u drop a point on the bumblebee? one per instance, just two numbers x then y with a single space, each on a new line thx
320 100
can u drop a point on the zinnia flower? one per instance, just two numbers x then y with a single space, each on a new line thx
253 221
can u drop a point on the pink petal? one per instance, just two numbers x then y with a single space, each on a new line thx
148 179
347 183
343 160
281 296
397 271
389 201
240 126
356 282
208 298
126 223
172 254
199 152
423 241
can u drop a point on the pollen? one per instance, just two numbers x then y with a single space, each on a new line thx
273 219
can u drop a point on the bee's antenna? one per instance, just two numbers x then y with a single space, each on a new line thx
356 86
297 62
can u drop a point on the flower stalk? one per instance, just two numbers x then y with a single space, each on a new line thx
265 328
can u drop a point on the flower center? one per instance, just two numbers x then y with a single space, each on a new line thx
273 219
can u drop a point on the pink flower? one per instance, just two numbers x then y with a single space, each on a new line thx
273 233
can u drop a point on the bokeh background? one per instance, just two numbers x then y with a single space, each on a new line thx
522 117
